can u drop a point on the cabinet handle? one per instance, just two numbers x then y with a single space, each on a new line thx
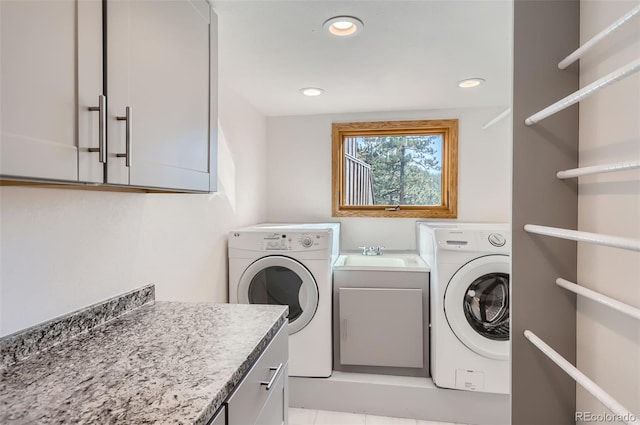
102 128
344 329
273 378
127 117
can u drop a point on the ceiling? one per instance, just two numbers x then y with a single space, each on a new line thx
410 55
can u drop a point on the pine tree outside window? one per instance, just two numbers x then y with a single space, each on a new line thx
395 169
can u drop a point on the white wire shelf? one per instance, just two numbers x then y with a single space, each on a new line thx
598 169
617 75
598 297
582 50
579 236
622 413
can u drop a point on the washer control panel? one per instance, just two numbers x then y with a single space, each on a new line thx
473 240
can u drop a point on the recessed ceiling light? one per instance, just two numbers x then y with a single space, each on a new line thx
311 91
470 82
343 26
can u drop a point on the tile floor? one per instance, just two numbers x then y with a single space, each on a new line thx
324 417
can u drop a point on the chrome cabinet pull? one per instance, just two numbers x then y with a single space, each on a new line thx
102 128
127 154
273 378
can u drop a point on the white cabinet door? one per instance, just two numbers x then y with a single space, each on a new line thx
51 74
159 62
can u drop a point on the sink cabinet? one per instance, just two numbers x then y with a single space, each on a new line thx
381 327
381 321
150 123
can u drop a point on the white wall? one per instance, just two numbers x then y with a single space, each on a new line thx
64 249
299 173
608 343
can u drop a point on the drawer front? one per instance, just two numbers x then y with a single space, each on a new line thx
250 396
276 408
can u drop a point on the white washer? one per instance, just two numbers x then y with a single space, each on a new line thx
470 268
290 264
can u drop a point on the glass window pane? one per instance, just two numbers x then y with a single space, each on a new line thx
393 170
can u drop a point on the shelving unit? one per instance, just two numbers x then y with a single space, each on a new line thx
545 214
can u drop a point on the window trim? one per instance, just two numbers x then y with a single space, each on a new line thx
447 127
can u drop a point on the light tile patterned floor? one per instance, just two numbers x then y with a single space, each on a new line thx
324 417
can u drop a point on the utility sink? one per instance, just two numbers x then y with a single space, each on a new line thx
387 261
380 314
374 261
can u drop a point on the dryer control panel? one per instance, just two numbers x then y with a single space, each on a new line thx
275 242
292 241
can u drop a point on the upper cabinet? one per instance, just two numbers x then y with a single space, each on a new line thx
158 90
150 123
50 85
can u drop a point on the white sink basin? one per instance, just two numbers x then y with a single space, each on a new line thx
371 261
388 261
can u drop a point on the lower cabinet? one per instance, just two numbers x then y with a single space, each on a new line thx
381 322
262 397
275 408
381 327
220 418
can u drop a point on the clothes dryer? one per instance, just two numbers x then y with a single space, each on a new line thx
290 264
469 285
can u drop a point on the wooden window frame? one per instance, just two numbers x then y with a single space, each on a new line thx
449 130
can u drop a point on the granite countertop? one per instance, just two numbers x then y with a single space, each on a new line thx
160 363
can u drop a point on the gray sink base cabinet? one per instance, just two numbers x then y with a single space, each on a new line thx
262 397
381 322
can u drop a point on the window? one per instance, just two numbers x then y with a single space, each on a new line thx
395 169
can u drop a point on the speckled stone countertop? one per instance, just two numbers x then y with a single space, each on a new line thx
162 363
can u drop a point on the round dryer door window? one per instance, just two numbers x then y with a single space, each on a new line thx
477 305
281 281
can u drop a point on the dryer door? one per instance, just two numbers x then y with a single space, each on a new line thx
282 281
476 304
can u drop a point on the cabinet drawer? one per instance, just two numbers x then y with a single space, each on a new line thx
250 396
275 409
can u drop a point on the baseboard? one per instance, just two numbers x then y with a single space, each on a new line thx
398 396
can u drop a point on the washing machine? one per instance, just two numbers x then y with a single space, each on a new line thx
469 287
290 264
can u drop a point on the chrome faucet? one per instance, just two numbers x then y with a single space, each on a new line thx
372 250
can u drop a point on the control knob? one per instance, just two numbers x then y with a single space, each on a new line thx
496 239
306 241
